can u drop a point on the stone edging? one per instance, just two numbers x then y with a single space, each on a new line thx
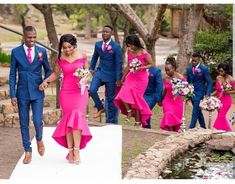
150 164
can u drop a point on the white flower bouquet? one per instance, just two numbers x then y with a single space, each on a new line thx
85 78
210 103
182 88
134 65
226 86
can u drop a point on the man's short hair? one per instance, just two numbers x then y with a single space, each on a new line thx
29 29
196 54
110 27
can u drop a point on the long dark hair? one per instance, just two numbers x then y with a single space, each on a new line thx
134 40
224 66
67 38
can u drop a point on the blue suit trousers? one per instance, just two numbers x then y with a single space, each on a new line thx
37 109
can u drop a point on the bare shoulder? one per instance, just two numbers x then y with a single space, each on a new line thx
231 78
219 78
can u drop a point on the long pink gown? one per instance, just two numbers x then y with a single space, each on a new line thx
172 108
73 105
132 91
221 122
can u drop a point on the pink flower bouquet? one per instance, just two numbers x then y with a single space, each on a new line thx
226 86
210 103
85 78
182 88
134 65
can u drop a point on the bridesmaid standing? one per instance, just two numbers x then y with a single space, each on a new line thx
72 131
172 105
130 99
225 86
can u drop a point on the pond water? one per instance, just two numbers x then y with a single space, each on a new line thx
201 163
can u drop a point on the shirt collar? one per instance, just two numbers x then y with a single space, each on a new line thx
107 43
197 65
25 47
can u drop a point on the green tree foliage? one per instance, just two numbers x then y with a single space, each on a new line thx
214 48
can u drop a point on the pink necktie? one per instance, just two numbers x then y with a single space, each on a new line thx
194 70
105 47
29 55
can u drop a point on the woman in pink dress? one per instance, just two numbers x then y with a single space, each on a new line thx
72 131
130 99
172 105
225 86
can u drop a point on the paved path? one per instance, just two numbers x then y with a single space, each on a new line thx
100 159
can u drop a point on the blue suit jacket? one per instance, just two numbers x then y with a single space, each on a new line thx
201 81
29 75
110 62
155 84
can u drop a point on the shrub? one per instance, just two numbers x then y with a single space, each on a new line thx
5 58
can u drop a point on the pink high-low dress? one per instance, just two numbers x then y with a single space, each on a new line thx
73 105
172 108
132 91
221 122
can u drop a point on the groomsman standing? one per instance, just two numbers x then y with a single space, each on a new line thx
27 60
199 76
108 73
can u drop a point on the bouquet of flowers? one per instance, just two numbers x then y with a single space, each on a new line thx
182 88
226 86
210 103
85 78
134 65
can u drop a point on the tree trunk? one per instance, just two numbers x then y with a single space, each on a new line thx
46 10
190 21
113 15
124 47
151 12
88 25
149 36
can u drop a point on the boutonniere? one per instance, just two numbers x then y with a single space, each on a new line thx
40 58
199 70
109 47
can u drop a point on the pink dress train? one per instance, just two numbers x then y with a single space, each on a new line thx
221 122
172 108
132 91
73 105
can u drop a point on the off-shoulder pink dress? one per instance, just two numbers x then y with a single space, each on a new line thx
221 122
73 105
172 108
132 90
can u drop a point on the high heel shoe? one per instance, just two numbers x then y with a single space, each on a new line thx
70 155
129 112
137 124
76 151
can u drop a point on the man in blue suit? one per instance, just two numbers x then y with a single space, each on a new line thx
199 76
108 73
27 60
153 92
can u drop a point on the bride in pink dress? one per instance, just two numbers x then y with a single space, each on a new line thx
72 131
130 99
172 105
225 86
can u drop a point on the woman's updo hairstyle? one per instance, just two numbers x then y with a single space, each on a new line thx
67 38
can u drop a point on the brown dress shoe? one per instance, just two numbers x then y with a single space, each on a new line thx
27 157
98 114
41 148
